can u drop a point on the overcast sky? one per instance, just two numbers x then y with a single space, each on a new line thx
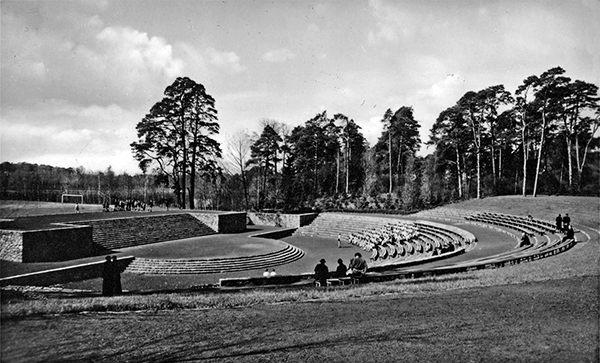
77 76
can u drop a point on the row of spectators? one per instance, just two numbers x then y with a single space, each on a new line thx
129 205
399 233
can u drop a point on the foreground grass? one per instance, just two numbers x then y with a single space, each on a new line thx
575 263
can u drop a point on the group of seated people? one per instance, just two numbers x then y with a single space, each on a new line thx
389 234
357 267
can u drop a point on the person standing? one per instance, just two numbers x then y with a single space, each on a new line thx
339 240
107 278
559 222
566 222
118 290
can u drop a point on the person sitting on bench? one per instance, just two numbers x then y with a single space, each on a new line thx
341 269
358 266
570 234
524 241
321 272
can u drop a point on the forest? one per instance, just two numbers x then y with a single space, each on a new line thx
540 139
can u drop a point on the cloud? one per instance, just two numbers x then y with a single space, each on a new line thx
278 55
64 134
97 66
393 23
225 60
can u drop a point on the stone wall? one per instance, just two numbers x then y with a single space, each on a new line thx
81 272
281 220
49 245
60 244
233 222
11 246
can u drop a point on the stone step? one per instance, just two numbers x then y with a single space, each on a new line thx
207 266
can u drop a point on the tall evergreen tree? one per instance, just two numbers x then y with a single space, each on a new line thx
176 135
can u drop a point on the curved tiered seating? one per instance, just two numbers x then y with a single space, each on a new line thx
382 242
329 225
157 266
526 225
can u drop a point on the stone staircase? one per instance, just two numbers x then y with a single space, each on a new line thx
153 266
119 233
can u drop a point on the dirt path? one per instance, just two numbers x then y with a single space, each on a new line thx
551 321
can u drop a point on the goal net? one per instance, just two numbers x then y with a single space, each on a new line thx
71 198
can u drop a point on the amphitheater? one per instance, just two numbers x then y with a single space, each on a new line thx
211 250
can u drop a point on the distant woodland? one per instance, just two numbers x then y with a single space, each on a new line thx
540 139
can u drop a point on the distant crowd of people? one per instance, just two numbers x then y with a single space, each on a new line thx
130 205
111 277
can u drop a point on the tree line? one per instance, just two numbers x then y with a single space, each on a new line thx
541 138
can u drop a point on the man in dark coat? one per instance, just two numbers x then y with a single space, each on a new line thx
559 222
566 222
118 290
358 265
108 288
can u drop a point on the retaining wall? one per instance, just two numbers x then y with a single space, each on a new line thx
233 222
11 245
61 275
281 220
48 245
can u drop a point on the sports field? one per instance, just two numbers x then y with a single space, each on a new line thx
541 311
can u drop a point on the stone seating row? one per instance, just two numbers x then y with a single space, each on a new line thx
119 233
515 225
527 225
543 224
527 253
428 243
537 225
155 266
329 225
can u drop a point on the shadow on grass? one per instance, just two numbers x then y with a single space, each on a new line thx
424 280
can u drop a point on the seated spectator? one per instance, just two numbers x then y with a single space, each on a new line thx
358 266
266 273
341 269
272 273
321 271
570 234
524 241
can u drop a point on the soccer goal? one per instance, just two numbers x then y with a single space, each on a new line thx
71 198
